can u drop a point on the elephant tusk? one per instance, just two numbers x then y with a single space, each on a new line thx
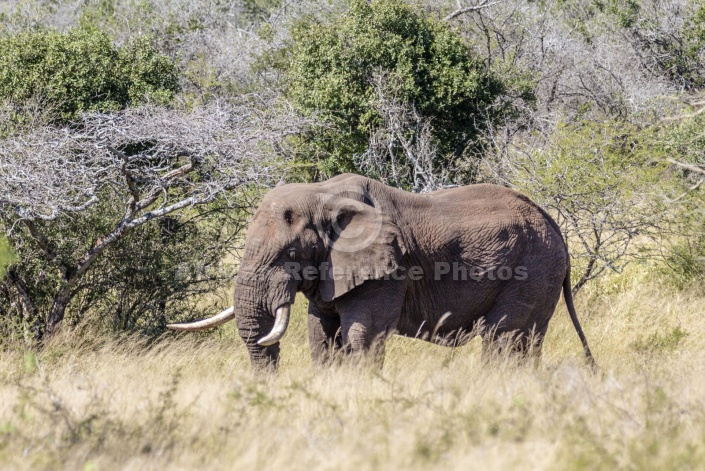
281 322
209 323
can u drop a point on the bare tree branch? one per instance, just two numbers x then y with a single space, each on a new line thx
479 6
692 168
146 163
145 152
402 151
691 189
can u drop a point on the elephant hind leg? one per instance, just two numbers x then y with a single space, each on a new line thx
505 337
517 325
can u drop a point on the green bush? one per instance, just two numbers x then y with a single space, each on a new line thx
603 183
6 255
330 68
685 262
82 70
160 271
685 142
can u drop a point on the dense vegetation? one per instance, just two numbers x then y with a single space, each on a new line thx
136 137
120 120
343 69
82 70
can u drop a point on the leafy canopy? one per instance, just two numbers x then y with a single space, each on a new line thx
428 65
82 70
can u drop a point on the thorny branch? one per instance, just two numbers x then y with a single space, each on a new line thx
462 10
401 151
692 168
149 162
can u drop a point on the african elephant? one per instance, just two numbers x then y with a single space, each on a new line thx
374 260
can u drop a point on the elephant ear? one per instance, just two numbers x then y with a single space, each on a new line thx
363 243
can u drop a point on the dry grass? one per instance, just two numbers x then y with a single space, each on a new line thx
190 402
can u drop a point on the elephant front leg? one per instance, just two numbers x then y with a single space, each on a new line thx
362 340
369 318
323 335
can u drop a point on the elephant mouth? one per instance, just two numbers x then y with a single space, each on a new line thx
281 322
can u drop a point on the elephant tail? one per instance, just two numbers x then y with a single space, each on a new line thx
568 295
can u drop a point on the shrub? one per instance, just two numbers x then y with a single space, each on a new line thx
6 255
160 272
82 70
331 70
685 263
602 181
672 48
685 142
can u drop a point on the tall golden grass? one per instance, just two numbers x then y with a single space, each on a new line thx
190 401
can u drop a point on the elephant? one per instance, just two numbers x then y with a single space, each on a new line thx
374 260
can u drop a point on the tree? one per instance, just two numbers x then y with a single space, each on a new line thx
603 184
81 70
428 67
107 176
684 146
402 151
6 255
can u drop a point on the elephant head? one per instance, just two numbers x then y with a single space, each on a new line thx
320 239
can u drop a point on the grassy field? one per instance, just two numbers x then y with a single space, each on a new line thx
190 402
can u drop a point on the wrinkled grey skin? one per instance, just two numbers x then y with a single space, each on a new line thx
372 230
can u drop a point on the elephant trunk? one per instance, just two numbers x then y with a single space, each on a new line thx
258 329
255 323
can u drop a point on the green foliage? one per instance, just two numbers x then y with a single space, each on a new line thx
685 262
591 162
694 30
7 257
82 70
260 8
597 156
161 269
626 12
148 75
427 64
660 342
686 141
598 178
